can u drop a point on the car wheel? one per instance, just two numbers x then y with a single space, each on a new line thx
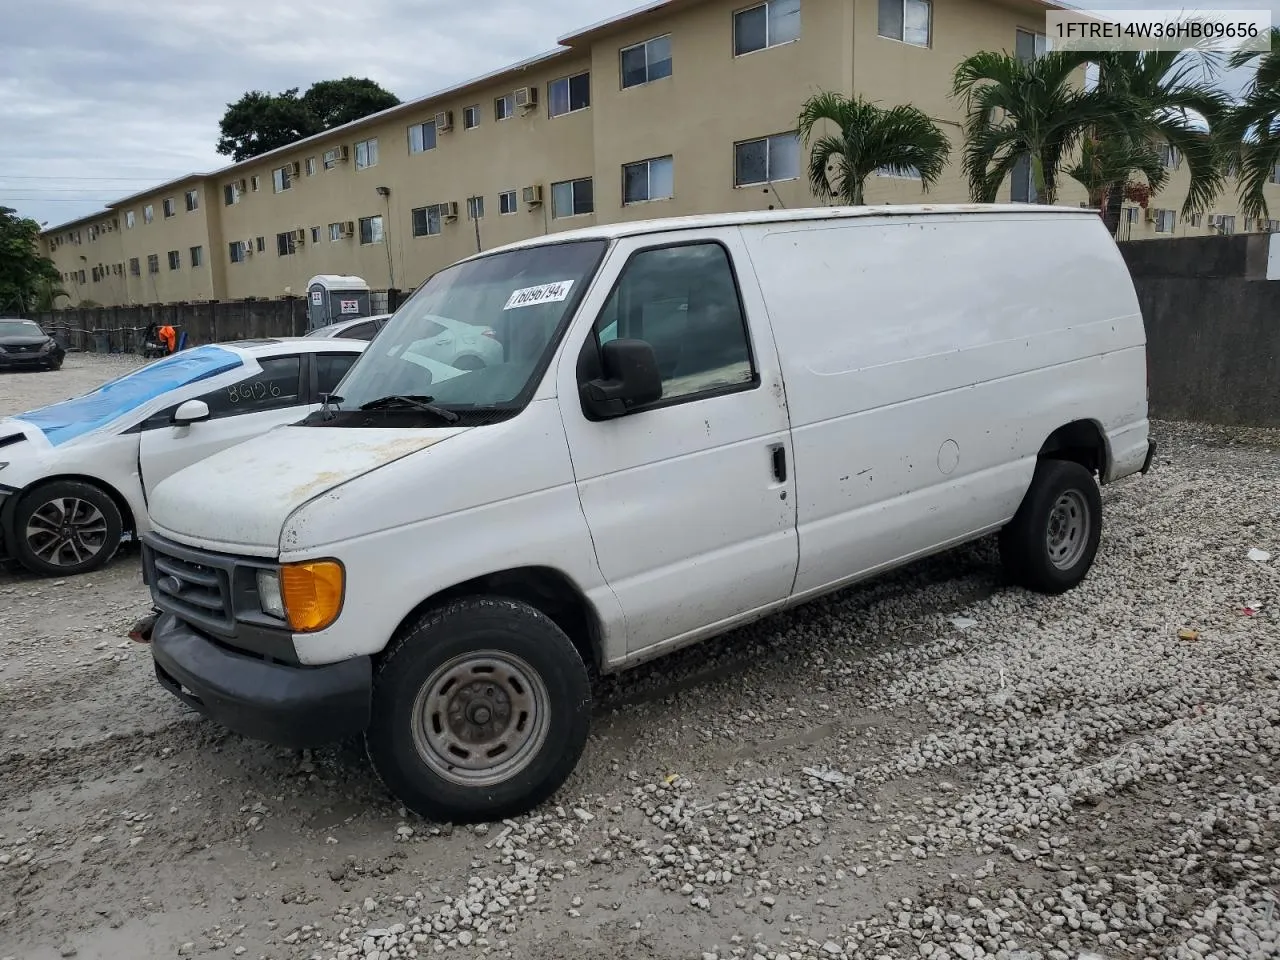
467 362
1052 540
65 528
480 711
55 363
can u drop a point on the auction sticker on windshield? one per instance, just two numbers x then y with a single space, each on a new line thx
543 293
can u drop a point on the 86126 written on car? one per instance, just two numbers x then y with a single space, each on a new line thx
23 345
75 476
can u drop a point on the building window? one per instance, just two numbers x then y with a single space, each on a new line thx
569 94
236 249
572 198
175 260
80 275
315 234
337 231
311 166
1028 45
646 62
170 208
253 184
422 136
475 208
129 220
286 246
280 179
426 220
1273 226
648 180
1022 187
153 263
471 117
148 215
367 153
766 160
1227 225
507 202
503 107
910 21
197 256
898 173
231 193
135 268
371 229
261 244
1169 156
1165 221
193 201
766 25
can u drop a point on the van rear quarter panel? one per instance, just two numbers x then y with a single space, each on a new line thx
926 360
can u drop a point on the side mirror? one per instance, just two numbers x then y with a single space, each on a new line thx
193 411
631 379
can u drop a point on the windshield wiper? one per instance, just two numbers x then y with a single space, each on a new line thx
411 402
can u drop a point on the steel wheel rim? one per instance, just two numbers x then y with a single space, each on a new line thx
1067 532
481 718
66 531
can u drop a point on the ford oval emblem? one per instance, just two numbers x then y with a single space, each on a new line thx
171 585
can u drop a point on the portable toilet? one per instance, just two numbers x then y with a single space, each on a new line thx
331 298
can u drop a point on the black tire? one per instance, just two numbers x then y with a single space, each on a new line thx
55 364
1051 542
87 541
463 633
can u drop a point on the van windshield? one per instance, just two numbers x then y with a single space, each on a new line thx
476 336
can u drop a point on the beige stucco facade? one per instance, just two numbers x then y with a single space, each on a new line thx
695 121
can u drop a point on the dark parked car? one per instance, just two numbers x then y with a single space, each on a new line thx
24 344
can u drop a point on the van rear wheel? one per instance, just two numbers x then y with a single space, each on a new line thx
481 711
1050 544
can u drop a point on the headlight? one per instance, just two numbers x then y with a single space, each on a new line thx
312 593
46 346
269 593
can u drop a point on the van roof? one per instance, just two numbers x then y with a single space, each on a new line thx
609 231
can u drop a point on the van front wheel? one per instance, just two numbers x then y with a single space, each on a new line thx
480 711
1051 542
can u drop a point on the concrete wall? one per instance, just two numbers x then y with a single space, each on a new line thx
1213 328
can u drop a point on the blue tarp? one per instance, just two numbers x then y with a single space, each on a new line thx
69 419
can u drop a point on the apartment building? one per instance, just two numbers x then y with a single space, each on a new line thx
680 107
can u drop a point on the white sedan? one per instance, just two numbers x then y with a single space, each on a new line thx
463 346
75 476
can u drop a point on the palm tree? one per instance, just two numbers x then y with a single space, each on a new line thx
1106 169
48 293
1025 109
1250 132
868 138
1174 104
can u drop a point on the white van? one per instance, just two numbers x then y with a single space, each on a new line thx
693 423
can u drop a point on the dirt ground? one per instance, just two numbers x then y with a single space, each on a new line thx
931 765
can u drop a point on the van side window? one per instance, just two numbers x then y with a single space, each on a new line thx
684 302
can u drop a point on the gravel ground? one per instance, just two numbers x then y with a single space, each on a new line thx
933 765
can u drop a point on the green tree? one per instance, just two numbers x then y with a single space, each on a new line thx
868 137
260 122
47 294
23 269
1173 102
1029 109
1250 132
331 103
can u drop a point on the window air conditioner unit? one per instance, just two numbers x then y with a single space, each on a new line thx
444 121
526 97
1149 215
449 211
337 154
533 194
246 246
300 236
294 169
349 228
242 185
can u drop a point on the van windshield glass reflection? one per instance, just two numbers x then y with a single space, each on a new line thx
476 335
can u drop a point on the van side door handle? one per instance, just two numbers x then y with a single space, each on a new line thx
780 463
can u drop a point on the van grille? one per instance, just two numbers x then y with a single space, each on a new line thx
193 585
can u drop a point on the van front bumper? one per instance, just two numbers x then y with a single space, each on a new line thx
291 706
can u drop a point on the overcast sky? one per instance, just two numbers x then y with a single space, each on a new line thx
103 98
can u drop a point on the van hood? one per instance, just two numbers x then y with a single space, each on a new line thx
238 500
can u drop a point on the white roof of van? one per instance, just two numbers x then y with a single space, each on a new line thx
631 228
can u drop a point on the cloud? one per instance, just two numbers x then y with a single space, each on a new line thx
101 98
